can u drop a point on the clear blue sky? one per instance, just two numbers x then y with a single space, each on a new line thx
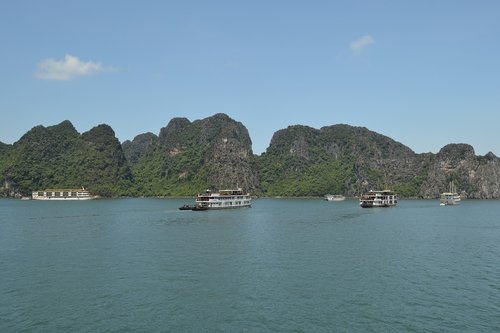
425 73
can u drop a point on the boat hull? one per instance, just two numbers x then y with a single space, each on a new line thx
186 207
64 199
228 207
371 205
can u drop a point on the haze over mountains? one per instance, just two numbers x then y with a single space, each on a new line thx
216 152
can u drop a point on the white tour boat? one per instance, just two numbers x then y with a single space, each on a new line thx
63 194
385 198
222 200
334 197
450 198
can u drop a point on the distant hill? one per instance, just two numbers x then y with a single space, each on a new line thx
58 156
475 176
187 157
303 161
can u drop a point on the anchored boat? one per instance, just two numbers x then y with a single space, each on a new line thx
63 194
334 197
223 199
385 198
450 198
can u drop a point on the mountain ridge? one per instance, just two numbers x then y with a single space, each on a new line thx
186 157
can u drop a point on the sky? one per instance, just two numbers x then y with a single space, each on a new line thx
425 73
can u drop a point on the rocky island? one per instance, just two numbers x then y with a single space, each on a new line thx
216 152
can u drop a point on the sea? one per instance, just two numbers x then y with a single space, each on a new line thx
283 265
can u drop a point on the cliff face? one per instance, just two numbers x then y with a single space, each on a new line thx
351 160
215 152
228 157
4 148
104 164
334 159
187 157
134 150
473 176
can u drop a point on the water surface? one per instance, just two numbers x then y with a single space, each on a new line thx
284 265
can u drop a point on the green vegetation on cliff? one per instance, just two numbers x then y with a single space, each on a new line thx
215 152
295 164
58 156
303 161
188 157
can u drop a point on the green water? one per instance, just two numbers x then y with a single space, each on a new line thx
284 265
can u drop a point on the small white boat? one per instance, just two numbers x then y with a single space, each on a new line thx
334 197
385 198
450 198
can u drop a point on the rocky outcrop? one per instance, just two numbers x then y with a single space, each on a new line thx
215 152
229 152
473 176
338 158
134 149
368 160
58 156
172 137
4 149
